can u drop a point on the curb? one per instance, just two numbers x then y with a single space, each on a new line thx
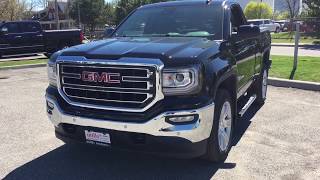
305 85
292 45
22 66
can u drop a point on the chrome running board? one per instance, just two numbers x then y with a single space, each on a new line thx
247 105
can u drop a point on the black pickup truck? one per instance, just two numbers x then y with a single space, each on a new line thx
172 78
27 37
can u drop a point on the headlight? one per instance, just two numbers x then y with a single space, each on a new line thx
180 81
52 73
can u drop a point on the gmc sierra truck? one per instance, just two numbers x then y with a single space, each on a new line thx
27 37
172 79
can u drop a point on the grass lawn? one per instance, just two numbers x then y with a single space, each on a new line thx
308 68
288 37
23 62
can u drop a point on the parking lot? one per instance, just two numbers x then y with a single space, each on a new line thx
280 140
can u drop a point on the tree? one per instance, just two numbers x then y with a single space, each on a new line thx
313 7
256 10
293 7
281 15
109 14
91 12
17 9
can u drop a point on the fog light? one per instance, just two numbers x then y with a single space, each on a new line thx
182 119
50 105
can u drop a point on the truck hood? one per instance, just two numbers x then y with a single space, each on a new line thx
163 48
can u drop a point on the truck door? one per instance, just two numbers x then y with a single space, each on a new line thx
11 39
34 37
243 50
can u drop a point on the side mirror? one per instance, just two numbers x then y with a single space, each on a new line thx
108 32
248 31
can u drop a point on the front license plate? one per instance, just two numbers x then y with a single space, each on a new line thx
97 138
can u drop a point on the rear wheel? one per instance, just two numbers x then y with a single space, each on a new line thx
262 87
48 55
63 45
220 140
277 30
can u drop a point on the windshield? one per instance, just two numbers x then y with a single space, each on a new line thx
185 21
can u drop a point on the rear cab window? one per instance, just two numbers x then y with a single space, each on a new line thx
11 28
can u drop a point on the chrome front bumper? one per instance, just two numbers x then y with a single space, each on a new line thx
157 126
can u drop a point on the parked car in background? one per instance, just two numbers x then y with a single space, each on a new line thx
283 25
27 37
266 25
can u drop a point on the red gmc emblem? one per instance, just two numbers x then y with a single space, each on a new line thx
112 78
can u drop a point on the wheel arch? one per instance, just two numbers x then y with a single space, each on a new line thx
228 82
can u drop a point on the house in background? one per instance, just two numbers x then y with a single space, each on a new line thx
47 16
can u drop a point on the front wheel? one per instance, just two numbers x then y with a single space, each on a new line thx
220 140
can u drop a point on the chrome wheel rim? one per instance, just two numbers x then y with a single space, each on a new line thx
225 123
264 84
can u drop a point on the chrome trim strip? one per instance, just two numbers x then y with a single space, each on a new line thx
143 62
156 126
101 87
122 92
148 71
109 100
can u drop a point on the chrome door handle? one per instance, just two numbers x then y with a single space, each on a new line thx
18 37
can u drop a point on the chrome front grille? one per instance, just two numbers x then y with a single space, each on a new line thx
125 87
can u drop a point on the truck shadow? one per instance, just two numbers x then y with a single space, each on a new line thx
87 162
244 123
22 57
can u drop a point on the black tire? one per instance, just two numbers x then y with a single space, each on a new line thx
48 55
277 30
214 152
259 85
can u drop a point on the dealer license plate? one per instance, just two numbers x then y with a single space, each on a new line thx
97 138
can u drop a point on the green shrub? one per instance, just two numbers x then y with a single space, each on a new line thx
257 10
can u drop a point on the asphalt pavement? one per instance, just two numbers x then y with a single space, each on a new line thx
307 50
280 140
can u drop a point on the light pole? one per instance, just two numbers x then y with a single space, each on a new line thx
260 9
79 17
56 10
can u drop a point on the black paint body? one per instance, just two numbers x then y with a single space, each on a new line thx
26 37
